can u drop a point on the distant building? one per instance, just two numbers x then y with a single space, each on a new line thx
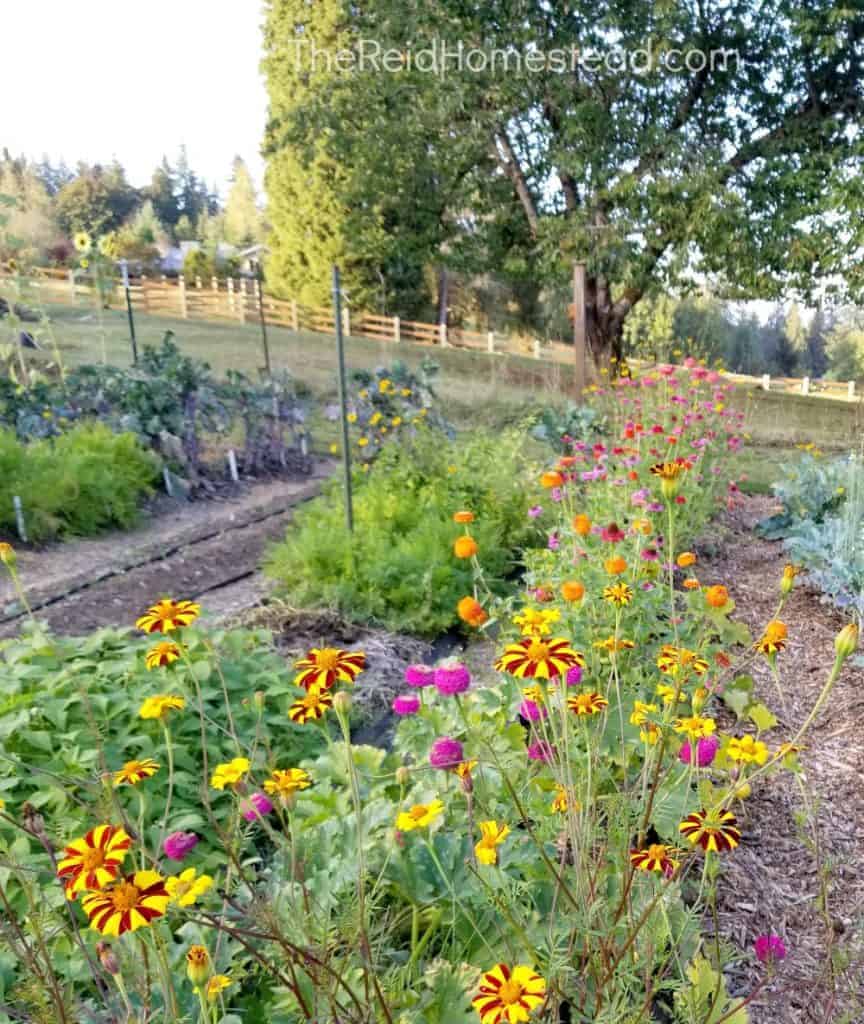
173 257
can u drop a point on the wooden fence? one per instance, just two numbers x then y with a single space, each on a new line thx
237 300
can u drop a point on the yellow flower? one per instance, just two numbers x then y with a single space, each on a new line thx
747 749
166 652
375 418
160 705
128 904
362 441
229 773
384 385
351 417
562 800
396 421
639 715
218 983
82 241
185 888
334 449
509 995
536 621
286 783
405 392
493 836
167 615
197 965
695 726
419 816
464 769
134 771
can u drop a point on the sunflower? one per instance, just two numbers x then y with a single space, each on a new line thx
164 653
618 594
94 860
587 703
715 831
288 782
695 727
672 659
229 773
324 666
773 639
532 658
185 888
419 816
536 621
160 705
508 995
747 749
128 904
655 858
311 707
493 836
82 241
134 772
167 615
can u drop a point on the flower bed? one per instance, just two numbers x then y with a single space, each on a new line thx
543 841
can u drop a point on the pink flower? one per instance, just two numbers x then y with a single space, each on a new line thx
554 542
256 806
706 751
452 677
574 675
535 511
613 534
419 675
769 948
541 751
532 711
406 704
179 844
446 753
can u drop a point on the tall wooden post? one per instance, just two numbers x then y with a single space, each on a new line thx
343 399
579 328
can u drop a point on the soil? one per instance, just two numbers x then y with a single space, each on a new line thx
797 874
183 549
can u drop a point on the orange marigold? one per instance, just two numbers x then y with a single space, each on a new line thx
551 478
685 559
717 596
465 547
572 590
615 565
691 583
471 611
582 524
463 516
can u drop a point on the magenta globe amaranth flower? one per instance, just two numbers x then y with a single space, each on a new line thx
179 844
419 675
452 677
574 675
255 806
406 704
769 948
704 754
541 751
532 711
446 753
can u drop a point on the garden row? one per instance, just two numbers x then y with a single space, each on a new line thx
196 835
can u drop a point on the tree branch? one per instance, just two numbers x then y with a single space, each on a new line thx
509 164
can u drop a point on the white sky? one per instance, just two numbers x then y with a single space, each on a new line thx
110 78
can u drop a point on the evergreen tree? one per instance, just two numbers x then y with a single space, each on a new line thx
162 194
796 335
817 356
242 218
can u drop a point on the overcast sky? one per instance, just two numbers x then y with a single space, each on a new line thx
109 78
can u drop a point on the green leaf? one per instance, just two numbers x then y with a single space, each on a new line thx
762 717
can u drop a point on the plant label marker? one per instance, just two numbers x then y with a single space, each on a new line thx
19 518
232 466
343 397
124 269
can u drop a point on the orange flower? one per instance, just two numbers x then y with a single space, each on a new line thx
463 516
717 596
582 524
471 611
691 583
685 559
572 590
551 478
465 547
615 565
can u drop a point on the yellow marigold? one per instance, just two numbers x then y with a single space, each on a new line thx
167 615
536 621
747 749
285 783
572 590
717 596
134 772
509 995
615 565
493 835
465 547
643 526
166 652
641 710
773 639
197 965
695 727
218 983
788 580
419 816
229 773
127 904
160 705
619 595
185 888
685 559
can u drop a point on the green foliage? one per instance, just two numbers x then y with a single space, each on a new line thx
398 567
84 481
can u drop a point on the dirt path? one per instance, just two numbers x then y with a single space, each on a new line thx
211 548
774 881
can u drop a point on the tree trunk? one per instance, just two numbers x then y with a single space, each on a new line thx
604 325
443 297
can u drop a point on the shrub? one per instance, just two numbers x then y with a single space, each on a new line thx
398 568
79 483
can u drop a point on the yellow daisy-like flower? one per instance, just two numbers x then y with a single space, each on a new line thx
164 653
747 749
650 734
134 772
611 645
286 783
160 705
656 857
562 800
587 703
695 727
128 904
323 667
384 385
669 694
618 594
641 710
311 707
185 888
218 983
671 660
229 773
536 621
533 658
167 615
464 769
419 816
509 995
535 693
493 835
94 860
362 441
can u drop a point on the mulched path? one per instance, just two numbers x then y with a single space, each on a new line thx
776 879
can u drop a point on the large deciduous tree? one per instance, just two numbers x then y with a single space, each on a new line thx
660 141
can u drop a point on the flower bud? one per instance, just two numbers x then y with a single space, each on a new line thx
403 775
107 958
342 702
258 698
846 641
7 555
699 697
197 965
787 581
743 791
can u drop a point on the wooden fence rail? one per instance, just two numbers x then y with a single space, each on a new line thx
236 299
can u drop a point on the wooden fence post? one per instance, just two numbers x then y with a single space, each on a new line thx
346 321
805 386
230 295
241 304
766 382
442 335
214 283
184 311
72 283
850 389
490 342
536 348
397 329
295 316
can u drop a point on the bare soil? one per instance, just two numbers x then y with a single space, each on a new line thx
799 871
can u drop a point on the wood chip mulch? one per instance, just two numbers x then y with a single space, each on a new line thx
797 874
